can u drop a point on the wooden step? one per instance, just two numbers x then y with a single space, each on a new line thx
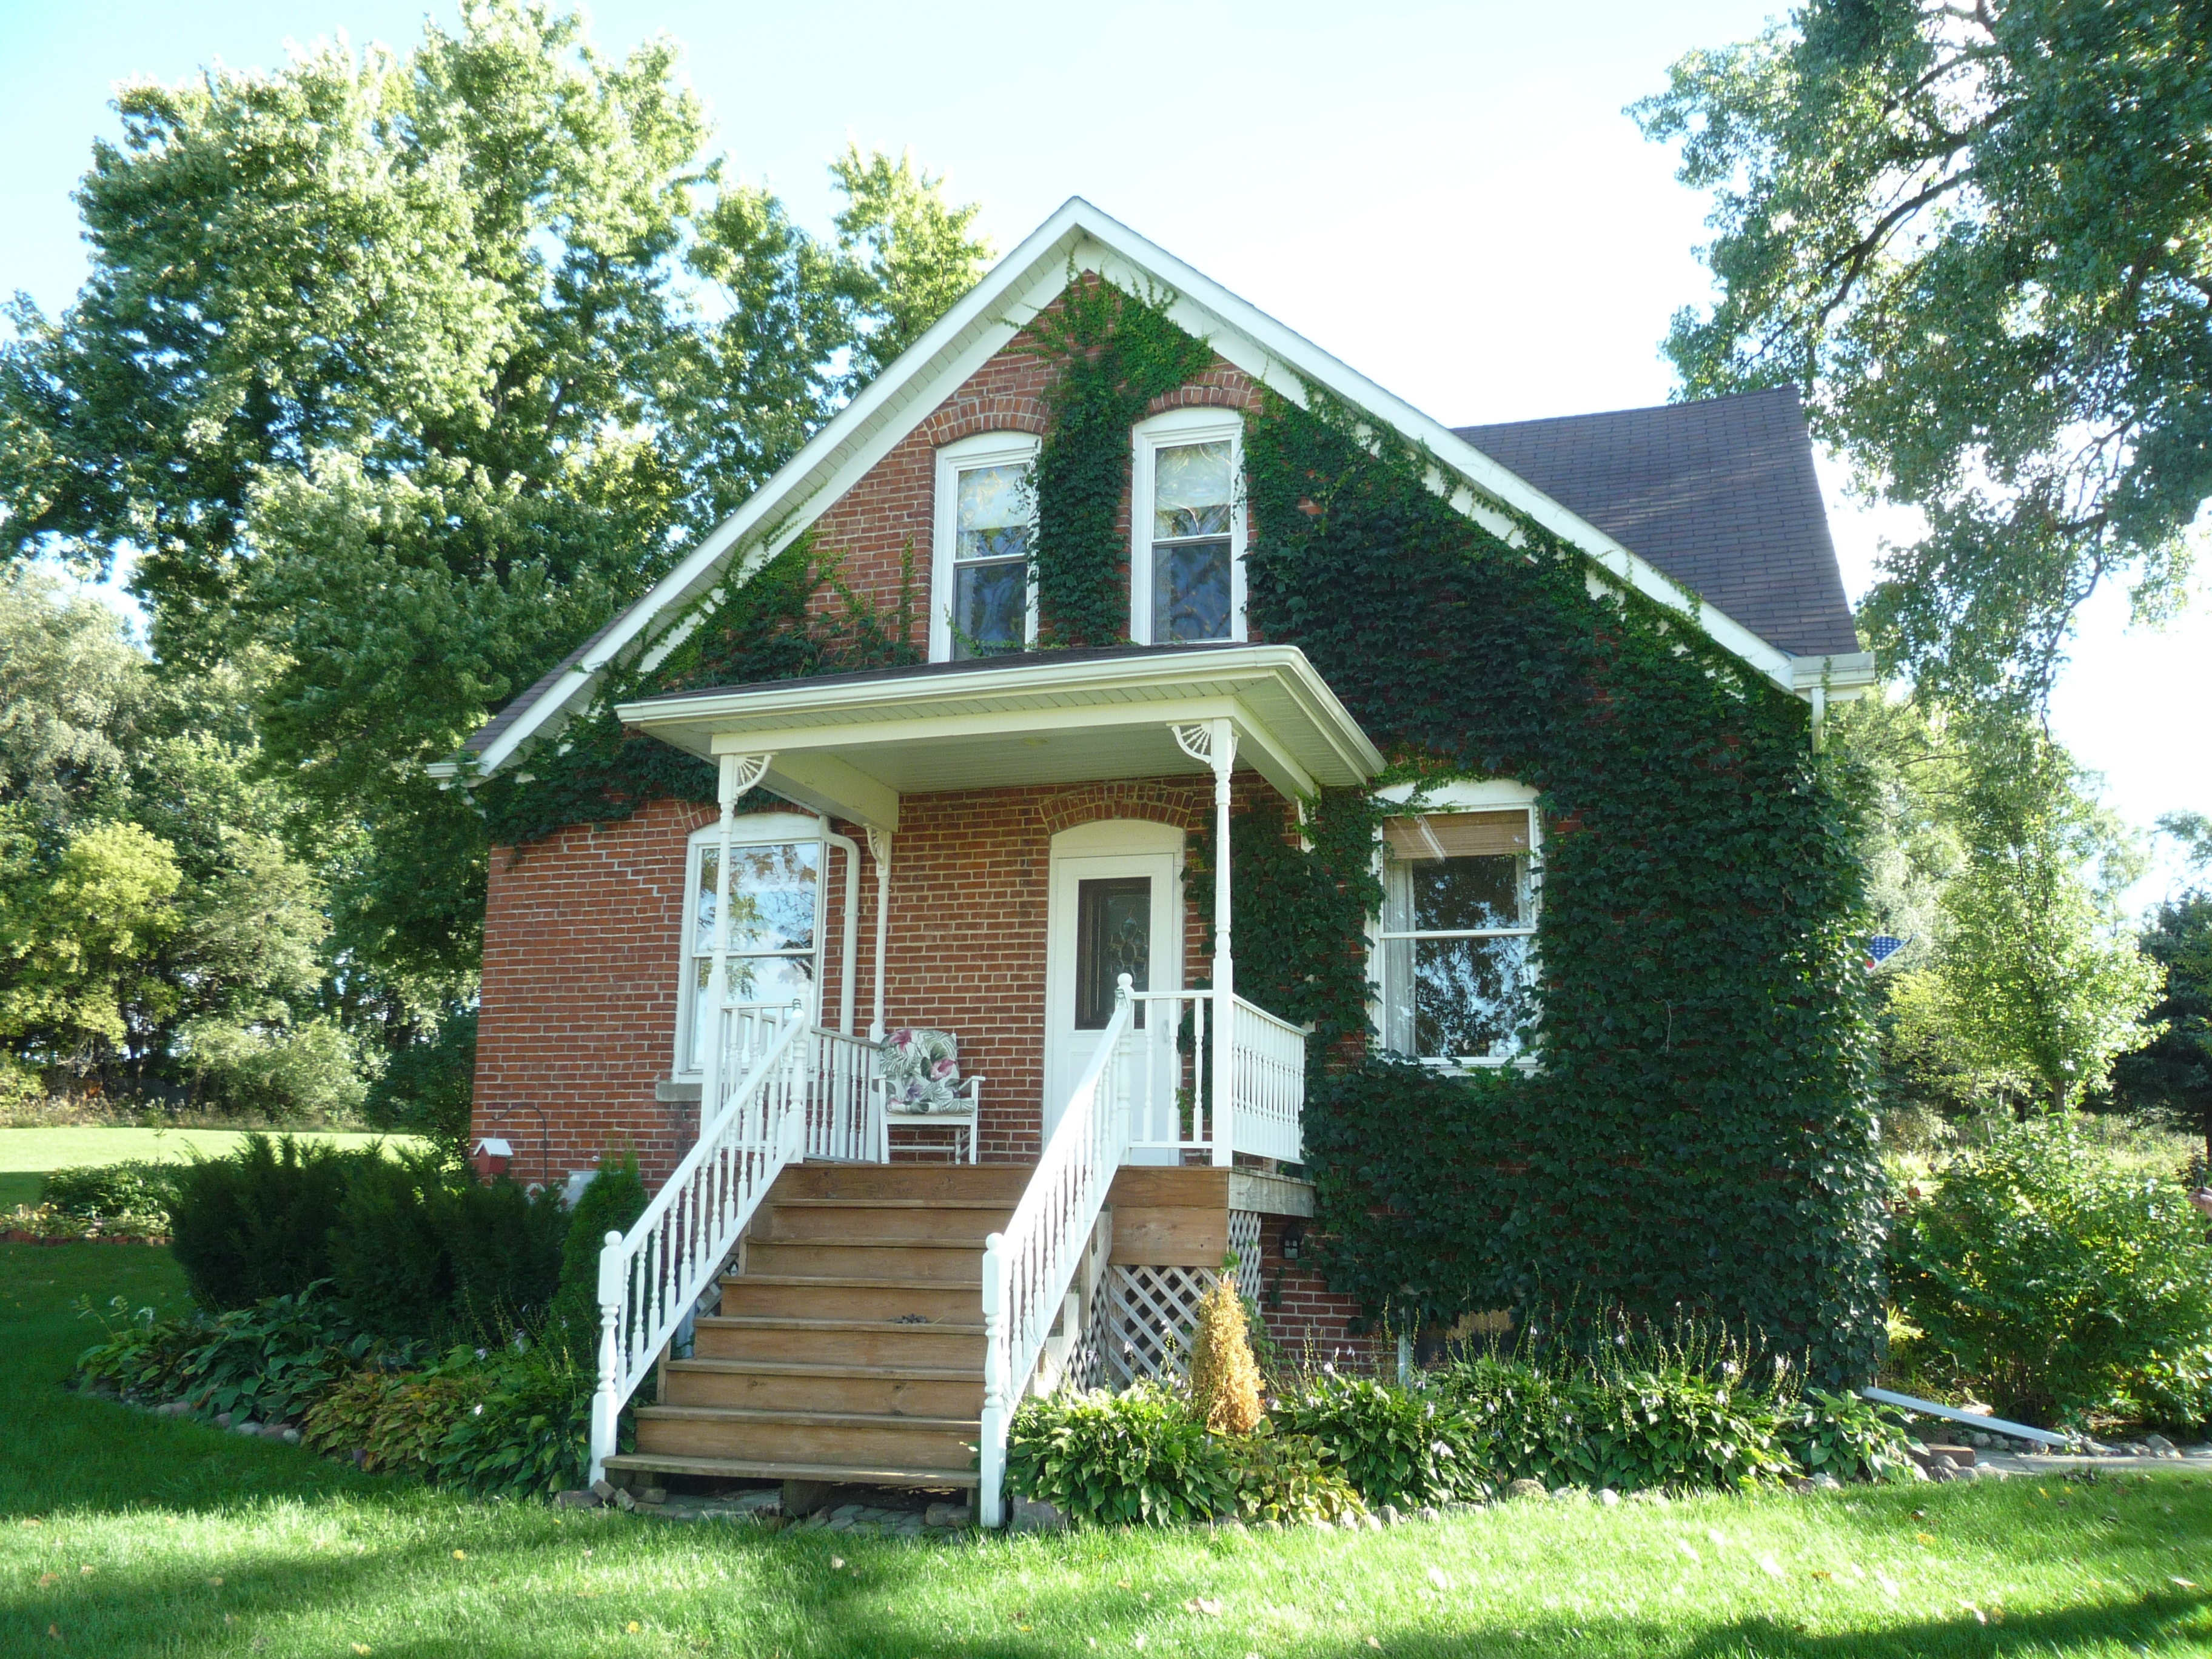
932 1261
766 1385
881 1217
1002 1183
739 1469
792 1296
857 1342
834 1439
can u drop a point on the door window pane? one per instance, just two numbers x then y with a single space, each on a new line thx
1113 937
990 575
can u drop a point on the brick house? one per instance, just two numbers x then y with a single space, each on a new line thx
991 843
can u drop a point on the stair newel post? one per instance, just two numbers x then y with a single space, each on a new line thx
606 1403
1112 1122
991 1459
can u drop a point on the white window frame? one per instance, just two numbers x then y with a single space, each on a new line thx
1172 430
983 449
1464 795
750 829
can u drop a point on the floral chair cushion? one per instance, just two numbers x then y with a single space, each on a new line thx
922 1072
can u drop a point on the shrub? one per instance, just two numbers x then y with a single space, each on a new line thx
1287 1477
280 1074
344 1420
611 1203
1528 1420
388 1258
257 1224
135 1194
1844 1436
1404 1446
270 1362
1673 1426
413 1421
1139 1456
529 1432
1224 1382
505 1246
2062 1285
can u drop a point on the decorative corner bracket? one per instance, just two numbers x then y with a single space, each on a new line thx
739 774
880 845
1212 742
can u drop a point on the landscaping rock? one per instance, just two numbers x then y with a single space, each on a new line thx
1391 1515
1607 1497
1372 1523
1800 1486
948 1514
222 1420
623 1500
604 1491
1826 1482
1347 1521
575 1500
654 1495
1526 1488
291 1437
2161 1446
1428 1512
1029 1516
248 1427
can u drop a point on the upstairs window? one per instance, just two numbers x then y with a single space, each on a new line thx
1186 561
983 603
1458 936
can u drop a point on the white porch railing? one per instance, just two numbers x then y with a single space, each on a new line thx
1172 1104
798 1091
1028 1268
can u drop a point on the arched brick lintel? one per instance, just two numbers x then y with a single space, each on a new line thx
1153 800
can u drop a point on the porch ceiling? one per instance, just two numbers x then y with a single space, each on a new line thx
851 744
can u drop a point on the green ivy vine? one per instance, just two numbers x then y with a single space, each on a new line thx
1115 352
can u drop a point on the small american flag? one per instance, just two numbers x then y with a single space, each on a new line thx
1881 947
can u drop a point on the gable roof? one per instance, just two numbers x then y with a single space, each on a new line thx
1081 237
1720 495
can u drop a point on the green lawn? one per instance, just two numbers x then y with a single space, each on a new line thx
126 1534
27 1154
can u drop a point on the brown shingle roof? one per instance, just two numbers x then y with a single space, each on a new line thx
1720 495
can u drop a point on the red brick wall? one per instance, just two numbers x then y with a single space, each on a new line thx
582 943
1309 1323
871 526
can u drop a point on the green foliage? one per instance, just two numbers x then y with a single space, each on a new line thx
1705 1059
1293 1479
2173 1074
1970 236
344 1420
257 1224
427 1088
1402 1446
137 1195
389 1263
269 1362
1675 1425
1115 352
529 1434
1527 1418
916 253
276 1073
611 1203
1134 1458
1844 1436
2064 1285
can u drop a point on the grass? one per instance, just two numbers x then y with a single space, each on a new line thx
26 1155
125 1534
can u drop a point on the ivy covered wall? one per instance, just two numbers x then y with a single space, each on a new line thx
1699 1135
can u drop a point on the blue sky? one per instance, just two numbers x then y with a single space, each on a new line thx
1447 197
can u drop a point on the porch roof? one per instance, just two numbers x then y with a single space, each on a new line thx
851 744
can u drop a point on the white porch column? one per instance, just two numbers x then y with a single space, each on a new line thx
1215 743
739 773
879 849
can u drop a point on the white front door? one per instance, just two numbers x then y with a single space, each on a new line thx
1115 905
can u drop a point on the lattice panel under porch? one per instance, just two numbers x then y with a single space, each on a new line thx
1244 1241
1150 1312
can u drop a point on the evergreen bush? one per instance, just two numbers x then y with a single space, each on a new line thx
389 1259
611 1203
257 1223
2065 1285
1225 1382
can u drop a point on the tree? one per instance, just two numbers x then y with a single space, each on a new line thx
406 372
1979 238
2037 978
2173 1071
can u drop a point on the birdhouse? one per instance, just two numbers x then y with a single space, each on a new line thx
491 1157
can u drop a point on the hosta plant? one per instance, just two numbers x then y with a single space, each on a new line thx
1136 1457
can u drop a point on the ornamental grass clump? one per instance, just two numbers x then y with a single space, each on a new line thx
1225 1380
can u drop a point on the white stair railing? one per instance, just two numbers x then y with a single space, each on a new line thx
1173 1105
651 1277
1029 1269
840 1102
1267 1085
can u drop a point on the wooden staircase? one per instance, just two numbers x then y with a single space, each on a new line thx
850 1344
